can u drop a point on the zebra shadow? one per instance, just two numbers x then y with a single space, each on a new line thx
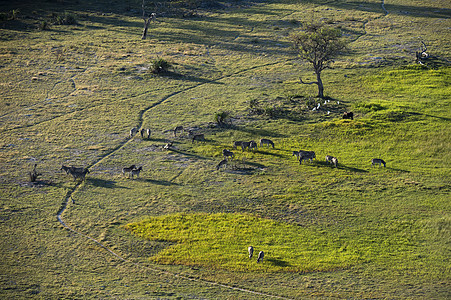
109 184
351 169
278 262
159 182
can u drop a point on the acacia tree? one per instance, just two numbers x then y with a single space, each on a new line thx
318 44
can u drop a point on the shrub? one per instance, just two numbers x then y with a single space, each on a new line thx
44 25
65 19
222 118
159 66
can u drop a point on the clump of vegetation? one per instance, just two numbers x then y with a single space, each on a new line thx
222 118
11 15
65 19
44 25
159 66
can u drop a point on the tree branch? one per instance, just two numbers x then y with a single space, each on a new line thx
313 82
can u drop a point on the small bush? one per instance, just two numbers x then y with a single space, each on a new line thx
159 66
222 118
44 25
65 19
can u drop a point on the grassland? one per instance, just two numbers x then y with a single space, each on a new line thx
70 95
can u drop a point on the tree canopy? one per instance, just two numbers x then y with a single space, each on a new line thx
318 44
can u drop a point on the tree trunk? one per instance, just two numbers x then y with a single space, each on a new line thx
319 82
146 26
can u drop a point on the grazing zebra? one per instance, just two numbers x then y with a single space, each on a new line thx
133 131
128 170
136 172
34 174
222 163
253 145
237 144
266 142
250 249
377 161
306 155
334 161
245 145
261 254
178 128
297 154
142 131
226 153
76 173
198 137
329 158
148 133
67 169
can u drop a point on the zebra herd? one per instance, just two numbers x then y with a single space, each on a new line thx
301 155
228 155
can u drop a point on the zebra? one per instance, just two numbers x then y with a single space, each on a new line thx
237 144
329 158
334 161
222 163
136 172
148 133
76 173
245 145
142 131
261 254
297 154
250 249
198 137
253 145
178 128
133 131
377 161
226 153
128 170
266 142
306 155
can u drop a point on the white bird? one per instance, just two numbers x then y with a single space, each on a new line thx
328 112
314 109
325 102
338 102
319 105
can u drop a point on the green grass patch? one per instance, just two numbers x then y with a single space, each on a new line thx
221 241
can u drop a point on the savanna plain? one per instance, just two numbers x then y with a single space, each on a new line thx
76 77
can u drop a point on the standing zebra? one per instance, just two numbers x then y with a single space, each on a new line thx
250 249
261 254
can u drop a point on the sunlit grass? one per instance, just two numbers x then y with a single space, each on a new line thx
221 240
